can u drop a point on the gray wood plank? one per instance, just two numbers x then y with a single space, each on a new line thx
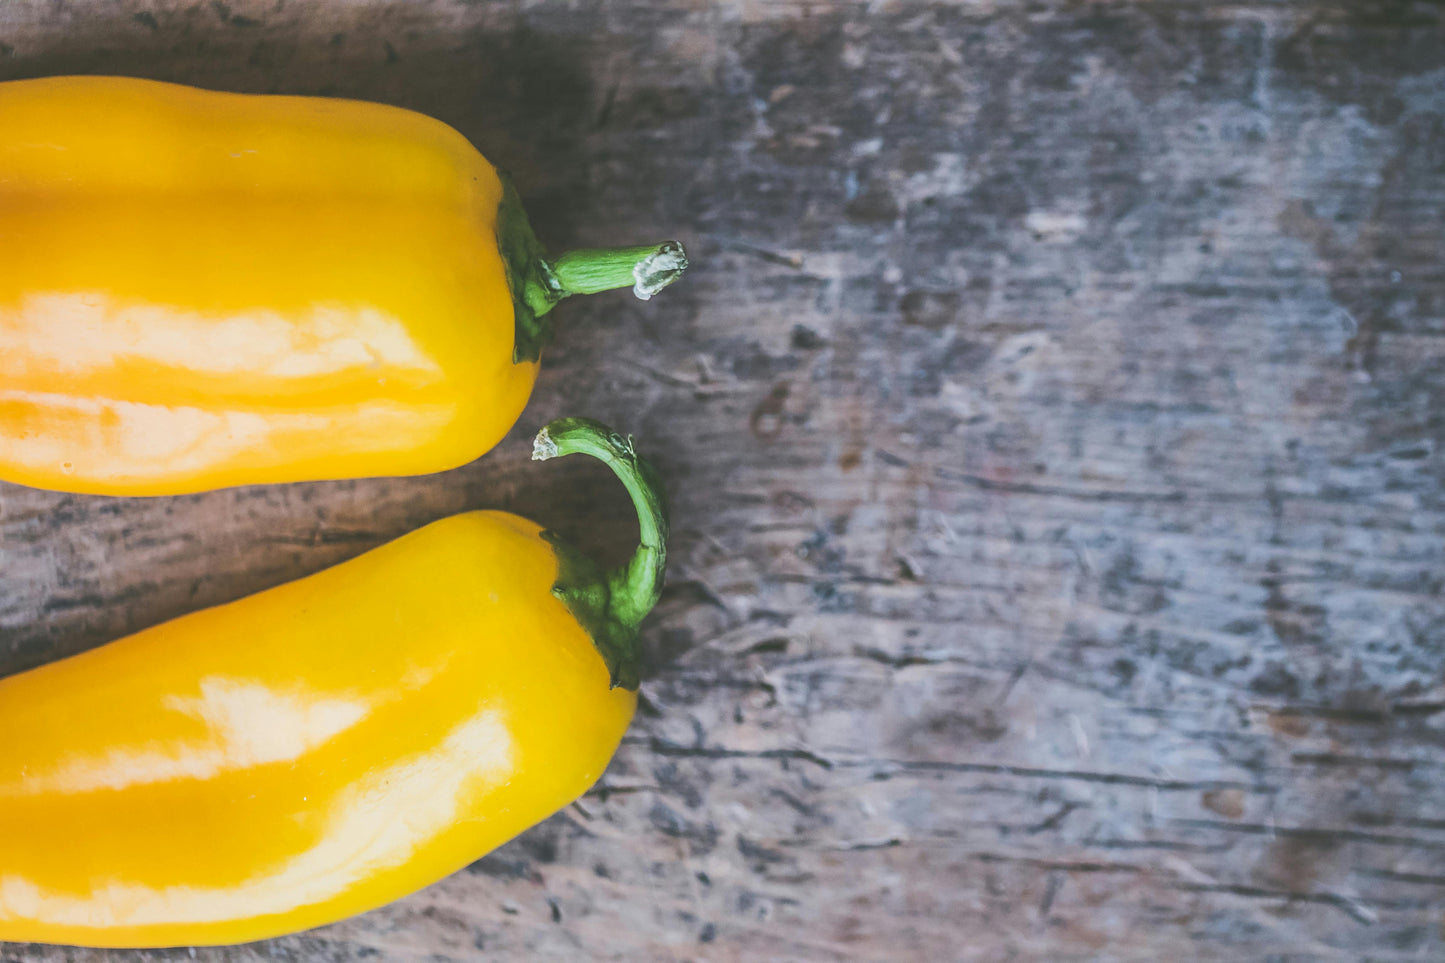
1055 423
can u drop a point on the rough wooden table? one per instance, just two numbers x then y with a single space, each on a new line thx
1055 420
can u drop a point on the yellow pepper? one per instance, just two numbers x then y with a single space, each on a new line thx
201 289
326 746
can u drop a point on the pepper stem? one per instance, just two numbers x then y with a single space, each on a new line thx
611 605
647 270
537 284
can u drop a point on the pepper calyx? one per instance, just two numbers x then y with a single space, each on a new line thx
537 284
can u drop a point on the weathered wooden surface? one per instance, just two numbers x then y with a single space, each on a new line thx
1055 418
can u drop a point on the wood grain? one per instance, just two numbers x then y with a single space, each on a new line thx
1055 422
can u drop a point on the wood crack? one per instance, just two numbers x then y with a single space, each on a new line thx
1312 833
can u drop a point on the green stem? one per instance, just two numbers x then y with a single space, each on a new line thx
610 605
537 284
646 270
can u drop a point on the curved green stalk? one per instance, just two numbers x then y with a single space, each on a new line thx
610 605
537 284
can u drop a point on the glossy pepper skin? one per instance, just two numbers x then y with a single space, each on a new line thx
324 747
201 289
